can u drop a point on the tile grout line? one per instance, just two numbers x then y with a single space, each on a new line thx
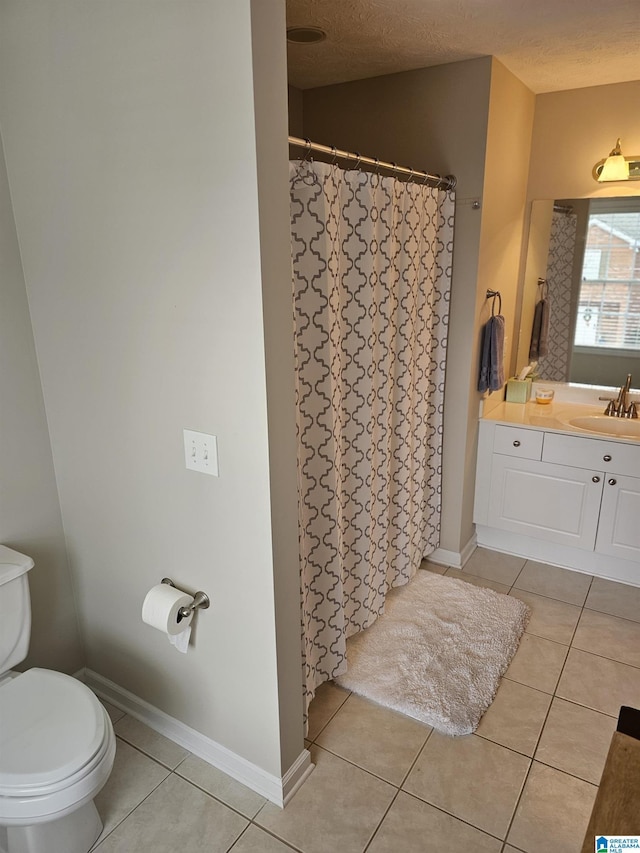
443 810
604 657
344 701
271 834
174 772
566 772
615 615
381 821
217 799
415 760
148 754
553 696
409 793
98 843
357 766
518 801
451 814
529 757
573 636
230 849
420 799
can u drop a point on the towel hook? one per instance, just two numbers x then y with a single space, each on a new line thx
492 294
543 284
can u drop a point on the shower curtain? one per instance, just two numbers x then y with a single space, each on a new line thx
371 276
562 243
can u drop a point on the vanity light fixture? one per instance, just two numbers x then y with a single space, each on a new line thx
617 167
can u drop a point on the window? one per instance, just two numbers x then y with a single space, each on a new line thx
609 301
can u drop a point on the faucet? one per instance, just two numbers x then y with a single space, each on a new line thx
618 408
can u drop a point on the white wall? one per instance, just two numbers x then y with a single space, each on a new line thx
30 518
130 140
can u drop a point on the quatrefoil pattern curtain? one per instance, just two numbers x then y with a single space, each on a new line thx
371 277
562 243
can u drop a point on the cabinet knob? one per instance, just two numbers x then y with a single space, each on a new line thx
607 458
612 482
516 443
595 479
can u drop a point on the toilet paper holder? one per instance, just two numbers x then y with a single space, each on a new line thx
200 600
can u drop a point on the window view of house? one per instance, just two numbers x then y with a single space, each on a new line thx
609 302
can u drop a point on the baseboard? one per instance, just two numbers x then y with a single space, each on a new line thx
277 790
455 559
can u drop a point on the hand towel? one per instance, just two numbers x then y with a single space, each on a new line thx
540 331
492 355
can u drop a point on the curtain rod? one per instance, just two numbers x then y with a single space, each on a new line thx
446 183
563 208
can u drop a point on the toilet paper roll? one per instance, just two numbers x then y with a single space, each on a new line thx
161 609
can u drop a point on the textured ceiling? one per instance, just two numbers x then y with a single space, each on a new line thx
548 44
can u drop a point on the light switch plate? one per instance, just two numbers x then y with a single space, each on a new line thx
201 452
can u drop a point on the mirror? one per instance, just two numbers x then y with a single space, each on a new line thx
583 261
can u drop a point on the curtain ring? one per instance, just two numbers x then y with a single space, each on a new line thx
358 160
410 173
377 166
334 153
307 154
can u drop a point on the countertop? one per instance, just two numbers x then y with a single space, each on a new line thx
557 416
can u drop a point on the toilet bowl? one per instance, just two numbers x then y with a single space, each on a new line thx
57 748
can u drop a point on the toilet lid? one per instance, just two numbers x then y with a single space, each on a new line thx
51 725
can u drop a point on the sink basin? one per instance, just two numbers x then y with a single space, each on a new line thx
624 427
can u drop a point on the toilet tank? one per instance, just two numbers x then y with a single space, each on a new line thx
15 608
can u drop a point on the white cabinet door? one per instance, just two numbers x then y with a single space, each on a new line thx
552 502
619 529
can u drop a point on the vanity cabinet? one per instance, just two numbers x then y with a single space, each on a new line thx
556 502
569 499
619 525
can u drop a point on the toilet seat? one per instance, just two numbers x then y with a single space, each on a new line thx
56 746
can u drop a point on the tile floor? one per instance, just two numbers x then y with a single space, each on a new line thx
384 783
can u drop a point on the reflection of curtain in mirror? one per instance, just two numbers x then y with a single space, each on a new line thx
555 365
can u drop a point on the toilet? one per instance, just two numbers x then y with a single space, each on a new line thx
57 744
